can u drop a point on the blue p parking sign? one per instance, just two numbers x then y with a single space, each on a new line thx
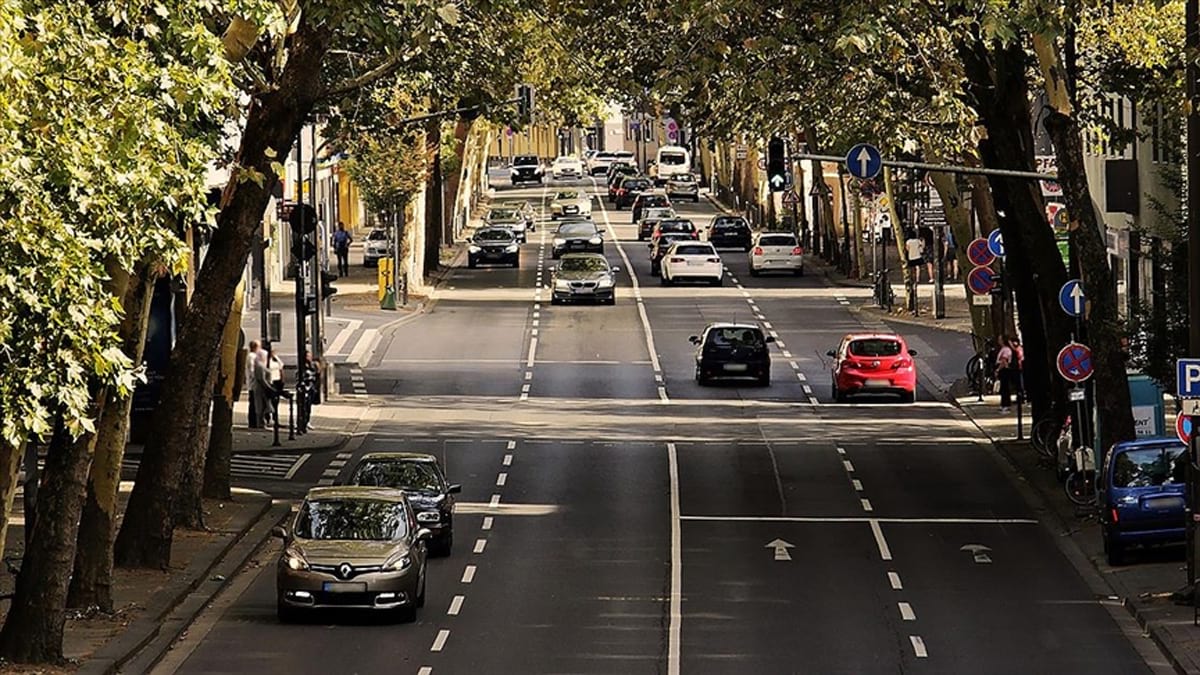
1187 378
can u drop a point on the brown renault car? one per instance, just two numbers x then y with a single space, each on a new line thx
352 548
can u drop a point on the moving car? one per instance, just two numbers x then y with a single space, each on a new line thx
604 159
352 548
732 350
376 247
511 219
648 200
526 169
570 203
583 277
679 225
618 169
683 185
874 363
421 478
730 232
776 252
522 206
1143 495
691 261
493 245
650 217
672 160
619 178
577 236
660 246
566 168
628 190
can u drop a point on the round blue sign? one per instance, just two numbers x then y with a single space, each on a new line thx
1071 297
864 161
996 243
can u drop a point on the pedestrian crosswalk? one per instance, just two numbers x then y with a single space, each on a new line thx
275 466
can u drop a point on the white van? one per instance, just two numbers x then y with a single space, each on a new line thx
672 160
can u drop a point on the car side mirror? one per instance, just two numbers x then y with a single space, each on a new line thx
694 339
770 338
830 353
424 534
912 352
616 269
279 531
454 489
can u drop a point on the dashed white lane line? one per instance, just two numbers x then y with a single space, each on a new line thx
440 641
884 551
812 400
468 574
918 646
841 450
787 354
894 580
487 523
501 479
807 389
529 375
866 505
906 612
675 615
480 544
847 465
495 501
857 484
425 670
512 445
508 459
532 352
456 605
767 325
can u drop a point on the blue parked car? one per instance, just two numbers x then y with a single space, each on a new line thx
1142 497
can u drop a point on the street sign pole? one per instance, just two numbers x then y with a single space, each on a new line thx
939 284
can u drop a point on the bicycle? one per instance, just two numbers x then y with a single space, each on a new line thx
1080 483
1046 433
885 297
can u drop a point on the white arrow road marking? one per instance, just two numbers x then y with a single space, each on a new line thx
979 552
781 549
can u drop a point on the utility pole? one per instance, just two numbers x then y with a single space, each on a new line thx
1192 47
301 266
320 262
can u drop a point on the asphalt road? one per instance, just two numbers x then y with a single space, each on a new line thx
616 517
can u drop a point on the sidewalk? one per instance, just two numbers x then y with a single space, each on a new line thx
1142 586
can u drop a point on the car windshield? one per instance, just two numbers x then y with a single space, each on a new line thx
565 160
524 159
875 347
577 229
655 200
693 249
377 235
585 264
671 237
402 475
637 184
351 519
494 235
605 155
503 214
672 158
657 214
1150 467
567 195
777 240
677 226
729 224
736 337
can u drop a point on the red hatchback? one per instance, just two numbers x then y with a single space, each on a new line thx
874 363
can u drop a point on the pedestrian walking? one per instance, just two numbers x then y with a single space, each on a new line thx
914 252
261 391
951 256
927 251
248 376
1005 369
341 248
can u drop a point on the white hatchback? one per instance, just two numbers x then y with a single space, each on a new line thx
566 167
692 260
776 252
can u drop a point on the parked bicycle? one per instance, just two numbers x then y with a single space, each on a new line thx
981 367
1080 483
885 297
1047 432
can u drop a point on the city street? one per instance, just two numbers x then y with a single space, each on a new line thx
616 516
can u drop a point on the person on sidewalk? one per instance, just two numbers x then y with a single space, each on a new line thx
914 252
1004 373
951 255
341 248
251 360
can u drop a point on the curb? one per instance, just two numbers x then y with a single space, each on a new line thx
164 627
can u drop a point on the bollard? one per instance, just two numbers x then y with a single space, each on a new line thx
979 385
276 418
1020 427
291 423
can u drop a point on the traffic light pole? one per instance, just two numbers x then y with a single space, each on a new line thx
301 268
318 323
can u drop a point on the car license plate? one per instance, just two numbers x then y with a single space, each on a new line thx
736 367
1163 503
581 291
344 587
879 383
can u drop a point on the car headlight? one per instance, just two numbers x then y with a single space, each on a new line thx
399 564
561 285
605 283
294 560
428 516
513 171
558 241
511 248
474 249
595 240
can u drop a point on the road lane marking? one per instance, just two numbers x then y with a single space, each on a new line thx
512 445
894 580
807 389
918 646
425 670
456 605
487 523
440 640
468 574
662 394
525 388
857 484
884 551
495 501
361 351
787 354
863 519
344 336
866 505
676 618
480 544
906 612
508 460
847 465
841 450
767 325
529 375
296 467
501 479
532 352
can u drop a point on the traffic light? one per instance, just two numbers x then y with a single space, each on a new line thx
776 164
524 103
303 221
327 288
303 249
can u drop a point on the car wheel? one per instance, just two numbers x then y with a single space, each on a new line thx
472 263
442 546
641 237
555 301
764 380
1114 553
611 301
555 255
909 397
662 279
516 263
654 271
838 396
800 271
754 272
421 593
718 281
700 378
696 199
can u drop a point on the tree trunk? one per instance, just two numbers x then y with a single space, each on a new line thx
33 629
10 468
998 89
91 583
1087 232
220 440
433 198
272 123
958 216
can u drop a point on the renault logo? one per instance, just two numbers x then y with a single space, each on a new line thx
345 570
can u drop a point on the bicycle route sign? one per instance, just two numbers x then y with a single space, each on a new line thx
981 280
979 253
1075 362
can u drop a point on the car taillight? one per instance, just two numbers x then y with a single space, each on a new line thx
712 260
797 251
1116 518
758 250
695 235
677 260
902 363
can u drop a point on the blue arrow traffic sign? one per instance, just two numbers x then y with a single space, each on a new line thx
981 280
1071 297
1187 378
996 243
1075 362
864 161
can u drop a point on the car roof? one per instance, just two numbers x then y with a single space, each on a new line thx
1141 443
732 324
397 456
873 336
356 492
569 256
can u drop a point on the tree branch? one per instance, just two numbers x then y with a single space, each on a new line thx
384 69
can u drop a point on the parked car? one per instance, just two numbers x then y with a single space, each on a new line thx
376 247
732 350
577 236
650 217
683 185
421 478
570 203
647 200
583 277
494 245
526 169
660 246
352 548
630 189
873 363
691 261
566 168
776 252
730 232
1143 495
